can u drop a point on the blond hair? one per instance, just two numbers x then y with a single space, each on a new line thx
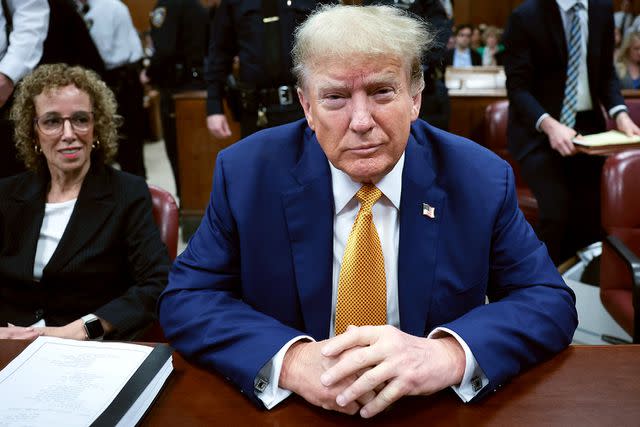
623 54
53 76
343 32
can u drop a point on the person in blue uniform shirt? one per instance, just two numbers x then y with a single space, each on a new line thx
348 257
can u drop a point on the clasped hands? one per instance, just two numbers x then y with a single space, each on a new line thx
368 368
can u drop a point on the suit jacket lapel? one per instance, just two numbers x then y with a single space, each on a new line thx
554 22
94 205
308 207
418 237
28 205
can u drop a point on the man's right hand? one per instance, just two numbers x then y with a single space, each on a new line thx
301 370
218 126
560 136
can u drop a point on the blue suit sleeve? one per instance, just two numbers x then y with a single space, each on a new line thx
202 310
531 312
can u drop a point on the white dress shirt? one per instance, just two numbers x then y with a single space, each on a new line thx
584 102
56 218
462 58
113 33
22 52
386 219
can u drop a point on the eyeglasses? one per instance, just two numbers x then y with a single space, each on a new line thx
53 123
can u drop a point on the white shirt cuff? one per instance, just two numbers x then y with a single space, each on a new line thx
474 379
539 121
614 110
266 383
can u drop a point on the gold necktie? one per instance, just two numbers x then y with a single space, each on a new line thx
362 286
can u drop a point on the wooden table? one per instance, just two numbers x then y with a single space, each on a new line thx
582 386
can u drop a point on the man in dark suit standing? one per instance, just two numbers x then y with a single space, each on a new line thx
559 71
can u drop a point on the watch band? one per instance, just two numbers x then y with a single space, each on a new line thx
92 327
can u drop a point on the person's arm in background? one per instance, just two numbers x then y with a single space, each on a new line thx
519 68
30 20
222 48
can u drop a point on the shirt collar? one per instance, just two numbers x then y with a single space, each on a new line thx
565 5
344 188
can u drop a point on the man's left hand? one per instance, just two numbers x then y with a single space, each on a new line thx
626 125
395 364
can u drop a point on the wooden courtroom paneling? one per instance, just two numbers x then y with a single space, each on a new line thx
490 12
467 112
197 151
139 10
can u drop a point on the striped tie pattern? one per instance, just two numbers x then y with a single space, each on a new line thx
362 286
568 112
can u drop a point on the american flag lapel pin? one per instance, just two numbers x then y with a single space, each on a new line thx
428 210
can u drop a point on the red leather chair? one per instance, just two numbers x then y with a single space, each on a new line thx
495 119
165 214
620 264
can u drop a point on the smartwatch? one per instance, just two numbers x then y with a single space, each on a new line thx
93 327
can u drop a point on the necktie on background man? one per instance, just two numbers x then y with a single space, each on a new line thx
362 286
568 112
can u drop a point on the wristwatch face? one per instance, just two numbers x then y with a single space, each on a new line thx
94 329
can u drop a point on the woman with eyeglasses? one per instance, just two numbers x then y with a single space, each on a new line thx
80 255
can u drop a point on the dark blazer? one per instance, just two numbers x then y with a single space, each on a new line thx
535 63
110 260
258 270
476 59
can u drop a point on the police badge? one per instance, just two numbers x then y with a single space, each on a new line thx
157 16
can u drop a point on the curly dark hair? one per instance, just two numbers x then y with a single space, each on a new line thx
54 76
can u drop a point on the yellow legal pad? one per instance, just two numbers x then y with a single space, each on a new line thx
606 142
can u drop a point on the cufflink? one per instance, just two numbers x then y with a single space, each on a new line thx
260 384
476 384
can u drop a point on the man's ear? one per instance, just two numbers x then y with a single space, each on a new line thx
415 107
306 106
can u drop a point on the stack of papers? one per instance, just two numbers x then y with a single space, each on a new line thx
61 382
606 142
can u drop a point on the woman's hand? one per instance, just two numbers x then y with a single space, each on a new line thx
74 330
18 333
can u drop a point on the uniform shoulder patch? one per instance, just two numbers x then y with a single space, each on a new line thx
157 16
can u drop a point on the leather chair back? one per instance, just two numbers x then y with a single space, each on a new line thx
165 214
620 218
496 116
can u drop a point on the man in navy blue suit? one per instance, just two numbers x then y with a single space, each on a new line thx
258 295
